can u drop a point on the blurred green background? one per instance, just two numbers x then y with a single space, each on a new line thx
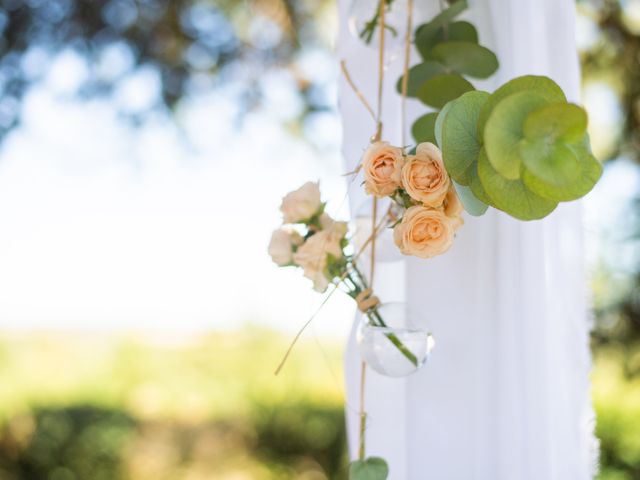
76 406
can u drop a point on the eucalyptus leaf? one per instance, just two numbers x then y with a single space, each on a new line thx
443 88
553 163
460 141
426 33
466 58
512 196
542 86
562 121
474 180
469 201
590 173
423 129
372 468
504 131
418 74
439 122
457 31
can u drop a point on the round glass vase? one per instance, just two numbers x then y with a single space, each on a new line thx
389 342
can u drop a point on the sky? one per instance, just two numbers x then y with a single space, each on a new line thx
110 227
165 226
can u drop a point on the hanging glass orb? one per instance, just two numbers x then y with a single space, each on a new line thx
363 23
386 249
397 349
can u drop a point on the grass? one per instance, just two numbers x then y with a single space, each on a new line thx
77 406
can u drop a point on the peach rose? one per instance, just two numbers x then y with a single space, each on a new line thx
453 207
301 204
382 164
312 255
424 232
424 176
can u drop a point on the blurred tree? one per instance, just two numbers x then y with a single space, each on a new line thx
191 44
72 443
614 57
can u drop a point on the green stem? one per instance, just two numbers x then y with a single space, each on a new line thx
393 338
370 27
376 319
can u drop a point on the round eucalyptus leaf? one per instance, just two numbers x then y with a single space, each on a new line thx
563 122
542 86
456 32
466 58
418 74
470 202
504 131
553 163
590 173
474 180
372 468
443 88
428 32
512 196
460 142
423 129
439 122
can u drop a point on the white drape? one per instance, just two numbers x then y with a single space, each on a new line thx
505 395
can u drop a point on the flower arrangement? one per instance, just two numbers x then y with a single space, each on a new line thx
311 240
522 149
419 184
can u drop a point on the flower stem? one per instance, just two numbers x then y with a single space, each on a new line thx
376 319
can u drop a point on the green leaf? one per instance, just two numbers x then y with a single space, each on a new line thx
590 173
544 150
418 74
372 468
423 129
555 164
470 202
439 90
504 131
543 86
564 122
456 31
474 180
428 32
466 58
460 143
512 196
439 122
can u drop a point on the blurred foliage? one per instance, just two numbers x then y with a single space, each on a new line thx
167 408
193 46
617 402
611 58
614 56
197 408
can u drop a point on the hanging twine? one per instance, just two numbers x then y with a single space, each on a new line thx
367 300
405 73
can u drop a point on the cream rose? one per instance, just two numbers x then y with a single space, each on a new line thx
301 204
424 232
312 254
424 176
382 164
282 245
453 207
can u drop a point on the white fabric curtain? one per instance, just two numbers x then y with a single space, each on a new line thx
505 395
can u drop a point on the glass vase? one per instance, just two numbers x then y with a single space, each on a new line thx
390 343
